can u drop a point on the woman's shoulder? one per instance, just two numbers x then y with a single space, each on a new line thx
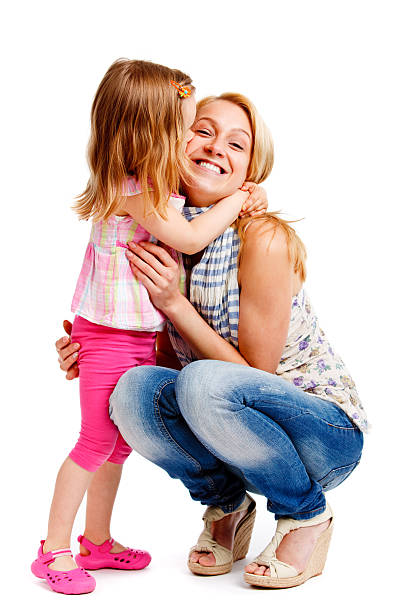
265 235
274 241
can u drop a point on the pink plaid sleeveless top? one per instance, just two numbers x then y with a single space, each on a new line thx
107 293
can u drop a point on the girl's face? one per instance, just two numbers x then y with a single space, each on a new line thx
220 148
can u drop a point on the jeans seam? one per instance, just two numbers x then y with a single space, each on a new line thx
284 420
353 465
322 508
166 433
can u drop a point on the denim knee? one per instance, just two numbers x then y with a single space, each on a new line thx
136 410
127 395
202 379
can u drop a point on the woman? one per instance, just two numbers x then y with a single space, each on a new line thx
289 425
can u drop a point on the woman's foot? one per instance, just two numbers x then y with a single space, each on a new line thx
223 532
295 549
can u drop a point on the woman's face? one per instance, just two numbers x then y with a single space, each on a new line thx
221 150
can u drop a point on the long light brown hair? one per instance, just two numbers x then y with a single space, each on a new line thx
137 129
260 166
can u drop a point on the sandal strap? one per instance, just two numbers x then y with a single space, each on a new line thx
214 513
101 548
206 543
51 555
284 526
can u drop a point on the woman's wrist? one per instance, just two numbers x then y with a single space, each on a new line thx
177 305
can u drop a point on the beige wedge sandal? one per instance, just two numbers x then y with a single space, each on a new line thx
284 575
224 558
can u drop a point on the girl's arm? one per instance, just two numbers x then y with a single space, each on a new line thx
265 301
266 280
187 237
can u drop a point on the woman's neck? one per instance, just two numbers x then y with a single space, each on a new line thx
198 199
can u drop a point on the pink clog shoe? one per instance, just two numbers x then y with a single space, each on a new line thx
71 582
100 556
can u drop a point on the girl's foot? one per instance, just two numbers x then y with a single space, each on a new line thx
75 581
116 548
295 549
61 564
110 554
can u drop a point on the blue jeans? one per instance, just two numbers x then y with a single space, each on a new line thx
223 428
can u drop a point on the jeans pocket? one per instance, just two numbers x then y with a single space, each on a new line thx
337 475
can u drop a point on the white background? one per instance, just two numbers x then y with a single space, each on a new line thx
330 79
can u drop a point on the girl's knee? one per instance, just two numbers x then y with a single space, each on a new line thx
91 453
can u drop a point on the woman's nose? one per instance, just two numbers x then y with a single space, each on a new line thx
215 148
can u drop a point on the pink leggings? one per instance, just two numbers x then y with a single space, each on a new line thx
105 354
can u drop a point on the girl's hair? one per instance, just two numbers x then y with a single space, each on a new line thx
137 129
260 166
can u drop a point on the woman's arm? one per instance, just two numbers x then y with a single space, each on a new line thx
182 235
267 285
266 280
68 353
155 268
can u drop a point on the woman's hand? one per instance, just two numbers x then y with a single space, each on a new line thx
68 353
156 269
257 202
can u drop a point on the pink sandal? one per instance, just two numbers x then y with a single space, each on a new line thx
100 556
71 582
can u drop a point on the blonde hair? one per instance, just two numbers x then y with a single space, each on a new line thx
137 128
259 168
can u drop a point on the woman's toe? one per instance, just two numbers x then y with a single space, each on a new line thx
260 571
207 560
194 557
251 568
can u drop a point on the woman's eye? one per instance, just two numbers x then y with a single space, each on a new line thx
205 132
237 145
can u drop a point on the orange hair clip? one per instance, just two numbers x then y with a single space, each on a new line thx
183 90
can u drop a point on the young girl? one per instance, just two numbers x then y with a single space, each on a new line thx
140 123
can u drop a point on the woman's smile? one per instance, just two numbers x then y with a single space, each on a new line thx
209 166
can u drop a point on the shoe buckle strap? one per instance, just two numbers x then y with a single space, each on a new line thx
106 546
50 556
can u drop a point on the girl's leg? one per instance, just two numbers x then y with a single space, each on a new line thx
102 491
72 482
101 496
105 354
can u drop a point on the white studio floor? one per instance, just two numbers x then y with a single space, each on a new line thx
329 78
359 572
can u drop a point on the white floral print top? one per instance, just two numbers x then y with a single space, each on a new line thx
308 361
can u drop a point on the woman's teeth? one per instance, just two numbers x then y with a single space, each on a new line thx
209 166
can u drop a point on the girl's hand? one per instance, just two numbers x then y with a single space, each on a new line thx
257 201
68 353
156 269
